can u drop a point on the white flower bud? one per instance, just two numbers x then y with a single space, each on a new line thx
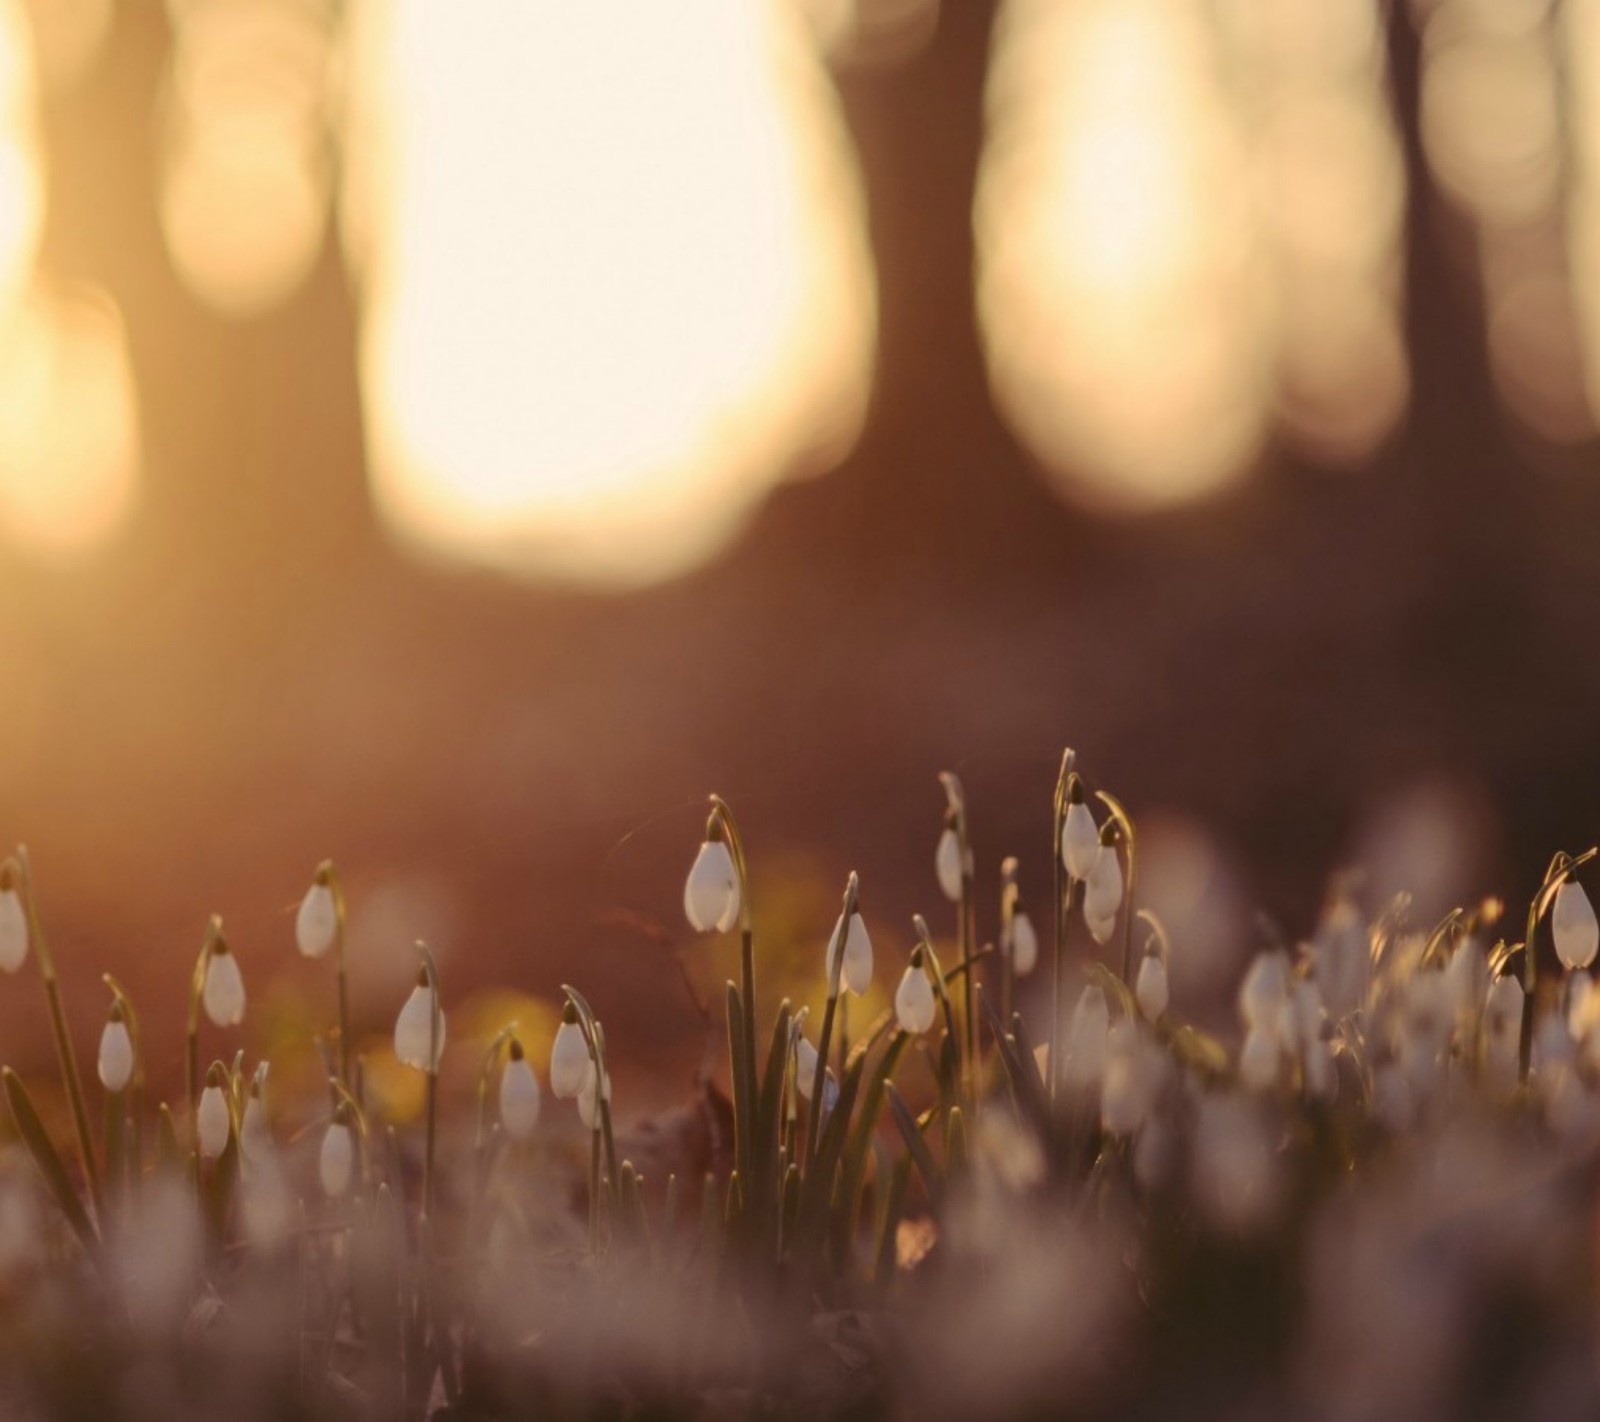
1091 1026
914 1001
213 1122
13 931
1131 1082
857 973
569 1061
589 1099
1080 841
1102 894
519 1096
223 991
1264 995
317 924
116 1054
336 1161
419 1031
255 1131
805 1067
711 893
947 864
1573 926
1466 977
1502 1014
1258 1059
1150 988
1024 945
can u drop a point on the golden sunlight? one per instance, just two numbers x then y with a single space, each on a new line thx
614 277
69 440
21 164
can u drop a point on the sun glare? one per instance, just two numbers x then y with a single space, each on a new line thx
613 274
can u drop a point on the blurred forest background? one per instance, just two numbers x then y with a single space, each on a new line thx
455 438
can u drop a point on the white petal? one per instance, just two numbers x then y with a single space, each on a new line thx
519 1099
223 993
317 923
589 1100
1502 1013
1574 927
1091 1026
711 892
13 931
914 1003
1080 841
1150 989
419 1027
213 1124
1102 894
569 1062
947 865
336 1162
805 1067
856 976
1024 945
1264 995
1258 1059
116 1057
255 1133
1101 929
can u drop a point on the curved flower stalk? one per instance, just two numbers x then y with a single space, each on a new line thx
835 962
941 990
16 884
1125 896
319 928
256 1144
597 1086
198 981
1019 940
1073 844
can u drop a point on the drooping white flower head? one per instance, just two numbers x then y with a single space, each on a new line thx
1024 944
1573 926
419 1030
336 1161
255 1130
856 973
223 991
1133 1076
805 1067
1264 994
1091 1026
13 926
569 1057
1259 1058
519 1095
1150 988
947 863
115 1063
1080 839
1341 956
213 1121
1466 977
914 1004
1502 1030
711 892
589 1098
1102 892
316 926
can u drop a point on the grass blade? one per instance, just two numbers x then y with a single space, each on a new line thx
48 1159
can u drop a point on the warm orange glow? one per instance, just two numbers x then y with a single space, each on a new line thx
21 178
245 189
1115 253
69 445
613 275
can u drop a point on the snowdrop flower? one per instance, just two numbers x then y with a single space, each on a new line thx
1264 995
857 971
1090 1029
1466 977
1024 944
1502 1027
316 926
913 1000
115 1063
13 925
1150 988
1573 926
255 1131
1258 1059
569 1057
519 1094
1102 893
947 863
711 892
1132 1080
1341 957
419 1030
1080 840
336 1161
589 1099
223 991
213 1120
805 1066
